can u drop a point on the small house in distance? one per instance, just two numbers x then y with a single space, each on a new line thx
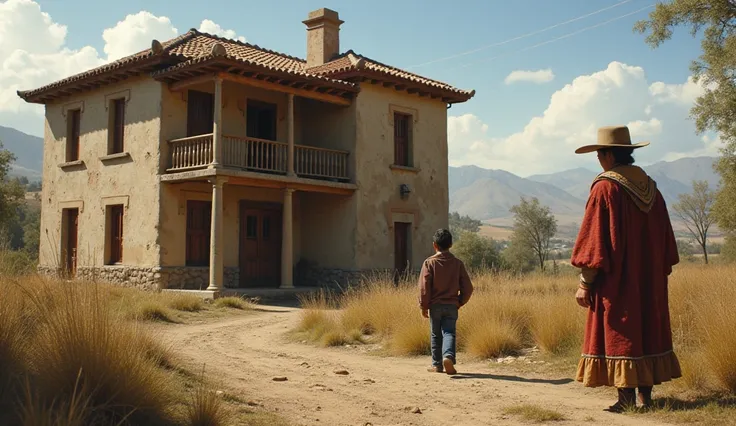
204 163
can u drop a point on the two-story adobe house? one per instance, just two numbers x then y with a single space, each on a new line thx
204 162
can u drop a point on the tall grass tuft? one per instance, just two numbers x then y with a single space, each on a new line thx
206 407
509 313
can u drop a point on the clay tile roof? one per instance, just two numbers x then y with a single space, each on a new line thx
199 49
351 62
195 47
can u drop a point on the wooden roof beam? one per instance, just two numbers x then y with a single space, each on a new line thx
183 84
324 97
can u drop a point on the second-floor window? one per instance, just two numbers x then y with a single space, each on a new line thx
200 113
117 126
72 137
261 120
402 139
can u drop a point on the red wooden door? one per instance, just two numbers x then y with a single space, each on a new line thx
72 229
199 224
260 247
116 234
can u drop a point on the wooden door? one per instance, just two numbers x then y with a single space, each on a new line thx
401 248
71 238
260 246
200 113
199 224
116 234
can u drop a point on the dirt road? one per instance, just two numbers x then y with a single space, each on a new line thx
248 352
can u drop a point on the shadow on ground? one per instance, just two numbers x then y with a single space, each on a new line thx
460 376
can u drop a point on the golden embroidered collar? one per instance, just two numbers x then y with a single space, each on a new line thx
636 182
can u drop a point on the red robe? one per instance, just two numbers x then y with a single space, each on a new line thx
626 235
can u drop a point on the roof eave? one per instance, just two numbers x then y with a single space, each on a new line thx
84 81
226 64
404 84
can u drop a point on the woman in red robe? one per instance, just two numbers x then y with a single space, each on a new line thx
626 249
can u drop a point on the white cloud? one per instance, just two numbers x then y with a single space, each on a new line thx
619 94
33 52
538 77
210 27
135 32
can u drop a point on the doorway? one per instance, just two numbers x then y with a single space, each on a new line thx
69 241
260 244
402 237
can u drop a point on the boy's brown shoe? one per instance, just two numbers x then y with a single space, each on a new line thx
449 367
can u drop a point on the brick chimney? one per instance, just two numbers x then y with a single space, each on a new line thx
323 36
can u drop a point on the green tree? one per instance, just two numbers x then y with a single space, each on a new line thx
716 69
11 191
463 223
534 227
477 252
696 211
518 256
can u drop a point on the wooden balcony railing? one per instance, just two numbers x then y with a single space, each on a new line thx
259 155
190 153
320 162
254 154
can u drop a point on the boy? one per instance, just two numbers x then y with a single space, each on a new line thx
444 287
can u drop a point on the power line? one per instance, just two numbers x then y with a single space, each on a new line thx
557 38
500 43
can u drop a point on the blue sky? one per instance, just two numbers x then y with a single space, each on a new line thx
411 32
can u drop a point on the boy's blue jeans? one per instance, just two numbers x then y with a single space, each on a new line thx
442 320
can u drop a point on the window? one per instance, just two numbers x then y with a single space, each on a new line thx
402 139
200 113
117 126
72 137
261 120
115 234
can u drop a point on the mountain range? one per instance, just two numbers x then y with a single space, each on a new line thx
479 193
28 150
489 194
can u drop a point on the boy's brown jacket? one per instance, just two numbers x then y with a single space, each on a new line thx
443 279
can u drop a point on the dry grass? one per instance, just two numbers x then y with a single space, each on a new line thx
71 354
234 303
505 315
533 413
509 314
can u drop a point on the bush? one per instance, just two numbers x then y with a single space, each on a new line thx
15 263
477 252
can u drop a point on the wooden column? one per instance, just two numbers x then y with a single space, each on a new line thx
290 121
216 237
287 241
217 125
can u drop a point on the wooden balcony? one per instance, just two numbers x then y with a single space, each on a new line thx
258 155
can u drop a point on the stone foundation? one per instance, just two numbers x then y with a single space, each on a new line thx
196 277
149 278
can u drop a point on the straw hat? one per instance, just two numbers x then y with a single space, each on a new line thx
611 137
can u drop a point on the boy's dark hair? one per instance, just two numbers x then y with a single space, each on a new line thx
443 239
623 156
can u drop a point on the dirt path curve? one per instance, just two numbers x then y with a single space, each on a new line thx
249 351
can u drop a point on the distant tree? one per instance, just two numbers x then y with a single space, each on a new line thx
477 252
696 211
534 227
716 70
518 256
728 251
685 250
11 191
34 187
463 223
